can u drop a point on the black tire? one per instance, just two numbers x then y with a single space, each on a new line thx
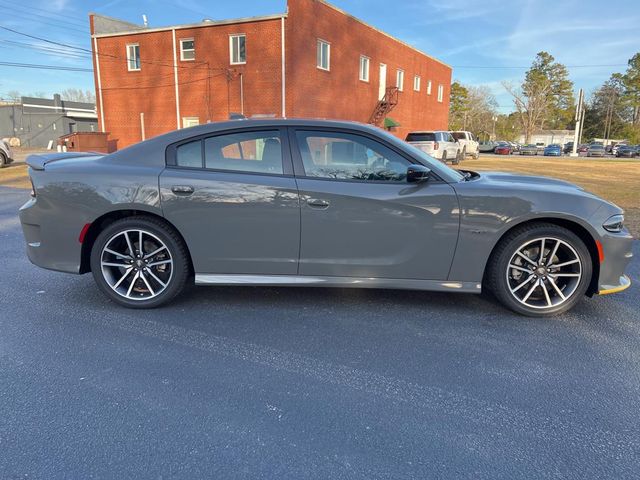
3 160
457 159
476 155
496 277
167 235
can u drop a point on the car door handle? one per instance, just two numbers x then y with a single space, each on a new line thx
318 203
182 189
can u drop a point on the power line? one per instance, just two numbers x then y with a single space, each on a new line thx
41 19
45 67
49 14
49 50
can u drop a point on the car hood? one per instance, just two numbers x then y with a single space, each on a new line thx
512 179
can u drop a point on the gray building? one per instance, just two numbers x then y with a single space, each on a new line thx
37 121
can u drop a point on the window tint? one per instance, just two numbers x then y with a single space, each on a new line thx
349 157
258 152
189 155
421 137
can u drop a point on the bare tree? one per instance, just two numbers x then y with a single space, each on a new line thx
532 104
78 95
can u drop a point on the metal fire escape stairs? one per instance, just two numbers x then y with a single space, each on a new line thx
384 106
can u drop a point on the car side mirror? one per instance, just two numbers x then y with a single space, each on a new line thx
417 173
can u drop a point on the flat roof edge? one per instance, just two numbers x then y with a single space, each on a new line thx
347 14
185 26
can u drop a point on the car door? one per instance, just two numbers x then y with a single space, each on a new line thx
234 199
359 215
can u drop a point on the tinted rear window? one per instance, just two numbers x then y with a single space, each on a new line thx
421 137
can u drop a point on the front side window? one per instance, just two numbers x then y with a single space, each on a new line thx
237 49
440 93
344 156
133 57
255 152
364 68
187 49
323 61
416 83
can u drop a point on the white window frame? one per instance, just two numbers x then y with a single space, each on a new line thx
131 58
429 87
440 93
400 79
190 122
182 50
319 62
416 83
231 40
363 75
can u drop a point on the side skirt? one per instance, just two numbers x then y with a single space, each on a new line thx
341 282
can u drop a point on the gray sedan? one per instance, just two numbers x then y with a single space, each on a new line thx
316 203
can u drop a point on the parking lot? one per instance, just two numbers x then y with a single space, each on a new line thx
309 383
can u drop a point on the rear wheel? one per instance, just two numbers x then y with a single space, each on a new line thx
139 262
3 160
540 270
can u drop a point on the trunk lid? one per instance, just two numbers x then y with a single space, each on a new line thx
40 160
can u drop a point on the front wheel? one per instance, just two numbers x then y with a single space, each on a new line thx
540 270
139 262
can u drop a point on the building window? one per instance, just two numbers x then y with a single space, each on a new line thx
429 87
133 57
400 80
190 122
416 83
238 49
440 93
187 49
364 68
324 55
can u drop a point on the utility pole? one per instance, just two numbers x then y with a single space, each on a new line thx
579 122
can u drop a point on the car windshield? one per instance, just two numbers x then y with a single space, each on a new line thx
421 137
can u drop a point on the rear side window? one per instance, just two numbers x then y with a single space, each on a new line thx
343 156
421 137
189 155
257 152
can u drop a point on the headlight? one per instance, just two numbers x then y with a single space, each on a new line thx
614 224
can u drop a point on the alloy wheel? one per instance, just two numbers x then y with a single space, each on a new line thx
136 264
544 273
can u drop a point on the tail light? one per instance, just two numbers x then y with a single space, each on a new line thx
435 145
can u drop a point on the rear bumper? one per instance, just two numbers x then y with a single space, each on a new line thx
53 246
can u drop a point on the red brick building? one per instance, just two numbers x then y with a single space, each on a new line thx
313 61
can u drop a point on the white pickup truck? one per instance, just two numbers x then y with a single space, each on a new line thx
468 142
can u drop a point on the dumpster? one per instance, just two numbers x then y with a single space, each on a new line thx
87 142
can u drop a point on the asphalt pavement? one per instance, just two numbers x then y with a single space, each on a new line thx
289 383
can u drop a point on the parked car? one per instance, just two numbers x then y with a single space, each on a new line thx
596 150
487 147
568 147
315 203
515 147
503 148
467 142
529 149
583 149
6 153
629 151
616 147
540 146
439 144
553 150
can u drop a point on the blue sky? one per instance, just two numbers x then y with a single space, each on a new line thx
502 35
